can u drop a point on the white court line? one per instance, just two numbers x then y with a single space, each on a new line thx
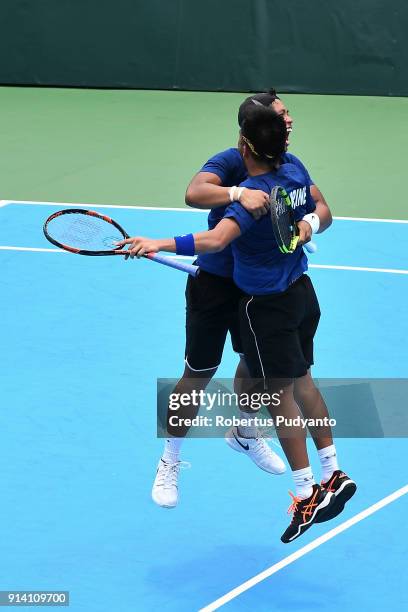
44 250
320 266
175 209
92 206
371 220
35 250
358 269
215 605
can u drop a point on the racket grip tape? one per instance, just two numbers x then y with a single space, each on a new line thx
174 263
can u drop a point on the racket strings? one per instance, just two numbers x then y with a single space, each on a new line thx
285 222
84 233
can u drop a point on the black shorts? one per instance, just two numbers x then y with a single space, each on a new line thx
212 304
277 331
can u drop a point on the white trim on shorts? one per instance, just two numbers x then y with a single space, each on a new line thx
256 342
202 370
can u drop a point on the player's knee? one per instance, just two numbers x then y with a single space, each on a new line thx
304 386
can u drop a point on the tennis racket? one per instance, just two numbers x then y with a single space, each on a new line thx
87 232
284 224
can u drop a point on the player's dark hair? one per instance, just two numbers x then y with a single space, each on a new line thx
265 133
264 99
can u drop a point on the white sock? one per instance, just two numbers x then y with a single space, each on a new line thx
328 459
171 450
249 430
304 482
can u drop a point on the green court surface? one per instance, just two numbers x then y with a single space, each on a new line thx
142 147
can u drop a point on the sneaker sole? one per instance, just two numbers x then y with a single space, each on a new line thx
238 449
325 506
167 507
342 496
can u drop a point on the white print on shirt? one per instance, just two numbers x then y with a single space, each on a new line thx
298 197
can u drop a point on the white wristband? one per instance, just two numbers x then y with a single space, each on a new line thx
313 220
231 193
239 194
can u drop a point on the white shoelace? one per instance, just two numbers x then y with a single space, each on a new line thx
167 474
266 434
261 448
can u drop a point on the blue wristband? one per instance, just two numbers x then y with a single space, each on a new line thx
185 245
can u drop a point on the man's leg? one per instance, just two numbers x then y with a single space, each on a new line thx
313 406
165 486
269 329
246 438
206 329
310 502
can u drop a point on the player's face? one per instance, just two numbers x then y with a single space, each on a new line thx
279 107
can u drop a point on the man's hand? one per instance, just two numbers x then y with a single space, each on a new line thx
305 232
139 246
255 202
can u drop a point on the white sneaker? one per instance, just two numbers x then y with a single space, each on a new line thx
257 450
165 489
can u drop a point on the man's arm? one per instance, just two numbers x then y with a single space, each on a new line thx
210 241
322 211
218 238
205 191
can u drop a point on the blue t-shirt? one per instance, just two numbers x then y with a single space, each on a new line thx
259 266
230 168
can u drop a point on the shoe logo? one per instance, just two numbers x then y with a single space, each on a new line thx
244 446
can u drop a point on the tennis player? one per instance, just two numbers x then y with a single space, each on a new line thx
279 312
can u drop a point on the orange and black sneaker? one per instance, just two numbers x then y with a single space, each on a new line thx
307 511
343 489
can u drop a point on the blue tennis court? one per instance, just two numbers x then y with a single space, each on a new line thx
84 341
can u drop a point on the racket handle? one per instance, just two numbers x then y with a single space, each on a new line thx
311 247
174 263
